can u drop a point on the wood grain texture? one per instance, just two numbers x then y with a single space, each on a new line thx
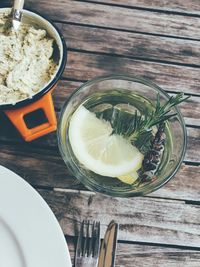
105 39
131 44
63 91
84 66
138 255
193 139
119 18
149 256
184 185
191 111
9 134
45 168
40 167
141 219
189 7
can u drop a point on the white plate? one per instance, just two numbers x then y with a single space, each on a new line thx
30 235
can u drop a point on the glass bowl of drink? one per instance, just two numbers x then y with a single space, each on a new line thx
122 135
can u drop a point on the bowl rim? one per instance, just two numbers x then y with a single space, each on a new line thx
97 188
57 75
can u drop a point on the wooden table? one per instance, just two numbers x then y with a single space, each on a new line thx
158 40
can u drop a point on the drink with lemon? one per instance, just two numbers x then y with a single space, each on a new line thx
116 137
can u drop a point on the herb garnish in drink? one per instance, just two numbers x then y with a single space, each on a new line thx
122 135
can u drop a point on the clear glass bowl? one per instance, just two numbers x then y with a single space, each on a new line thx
129 84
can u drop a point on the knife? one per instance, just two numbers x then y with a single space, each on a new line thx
109 245
17 13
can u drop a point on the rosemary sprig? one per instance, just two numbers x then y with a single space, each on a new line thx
143 142
138 128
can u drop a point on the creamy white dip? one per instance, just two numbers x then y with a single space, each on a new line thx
26 65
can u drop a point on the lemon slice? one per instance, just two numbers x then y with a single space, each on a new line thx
98 149
129 178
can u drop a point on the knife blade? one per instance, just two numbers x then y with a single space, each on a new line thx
17 13
109 245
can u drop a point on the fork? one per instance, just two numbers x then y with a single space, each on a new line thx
88 244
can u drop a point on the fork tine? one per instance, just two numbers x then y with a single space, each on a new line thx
87 238
84 245
90 247
88 244
80 241
97 240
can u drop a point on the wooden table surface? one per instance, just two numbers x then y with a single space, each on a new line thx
158 40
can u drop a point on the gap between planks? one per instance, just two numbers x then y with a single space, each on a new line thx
91 193
156 23
176 7
191 6
131 254
101 15
146 220
125 30
44 167
140 7
49 143
142 46
153 60
85 66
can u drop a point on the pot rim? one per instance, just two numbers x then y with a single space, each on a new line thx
59 72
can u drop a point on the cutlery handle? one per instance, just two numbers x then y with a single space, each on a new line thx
18 4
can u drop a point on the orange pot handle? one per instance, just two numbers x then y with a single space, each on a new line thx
45 104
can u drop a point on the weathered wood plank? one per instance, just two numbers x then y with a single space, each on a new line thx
84 66
184 185
189 7
9 133
131 44
42 167
182 6
149 220
149 256
119 18
141 219
191 111
63 91
130 255
193 139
